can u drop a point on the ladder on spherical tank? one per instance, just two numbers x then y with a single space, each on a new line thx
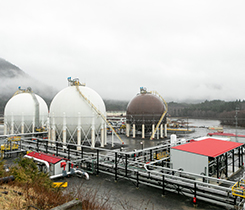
163 115
29 90
77 84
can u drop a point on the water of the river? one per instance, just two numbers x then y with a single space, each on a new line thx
199 125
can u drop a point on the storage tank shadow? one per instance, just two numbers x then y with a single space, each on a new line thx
146 115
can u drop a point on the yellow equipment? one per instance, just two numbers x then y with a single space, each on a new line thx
11 144
238 189
160 155
41 129
123 126
60 184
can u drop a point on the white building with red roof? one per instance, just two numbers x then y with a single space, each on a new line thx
208 157
49 163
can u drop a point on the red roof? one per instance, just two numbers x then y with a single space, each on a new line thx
47 157
225 134
209 147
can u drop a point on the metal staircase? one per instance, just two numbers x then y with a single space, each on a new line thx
163 115
77 84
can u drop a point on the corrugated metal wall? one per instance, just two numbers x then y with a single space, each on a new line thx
190 162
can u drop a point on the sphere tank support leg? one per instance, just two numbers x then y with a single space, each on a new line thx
22 123
5 127
143 131
12 124
105 133
49 130
161 131
64 130
127 129
133 130
33 124
53 129
165 130
112 139
93 133
102 135
79 131
153 128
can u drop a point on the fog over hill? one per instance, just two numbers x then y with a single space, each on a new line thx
12 77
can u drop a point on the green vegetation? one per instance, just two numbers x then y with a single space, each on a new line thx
216 109
114 105
33 189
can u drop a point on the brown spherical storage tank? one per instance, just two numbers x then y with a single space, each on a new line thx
145 108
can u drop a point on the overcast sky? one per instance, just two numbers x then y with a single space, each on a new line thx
182 49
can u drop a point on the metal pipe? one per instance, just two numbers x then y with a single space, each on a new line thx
82 173
224 191
183 172
68 173
41 161
64 129
185 180
221 203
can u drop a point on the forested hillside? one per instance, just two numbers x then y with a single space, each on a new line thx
114 105
12 77
216 109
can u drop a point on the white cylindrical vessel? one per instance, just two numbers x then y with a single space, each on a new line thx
173 139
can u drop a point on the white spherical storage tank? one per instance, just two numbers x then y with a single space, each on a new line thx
20 113
75 115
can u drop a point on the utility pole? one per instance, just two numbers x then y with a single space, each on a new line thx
187 125
237 109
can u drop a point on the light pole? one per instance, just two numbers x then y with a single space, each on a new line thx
142 145
236 121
